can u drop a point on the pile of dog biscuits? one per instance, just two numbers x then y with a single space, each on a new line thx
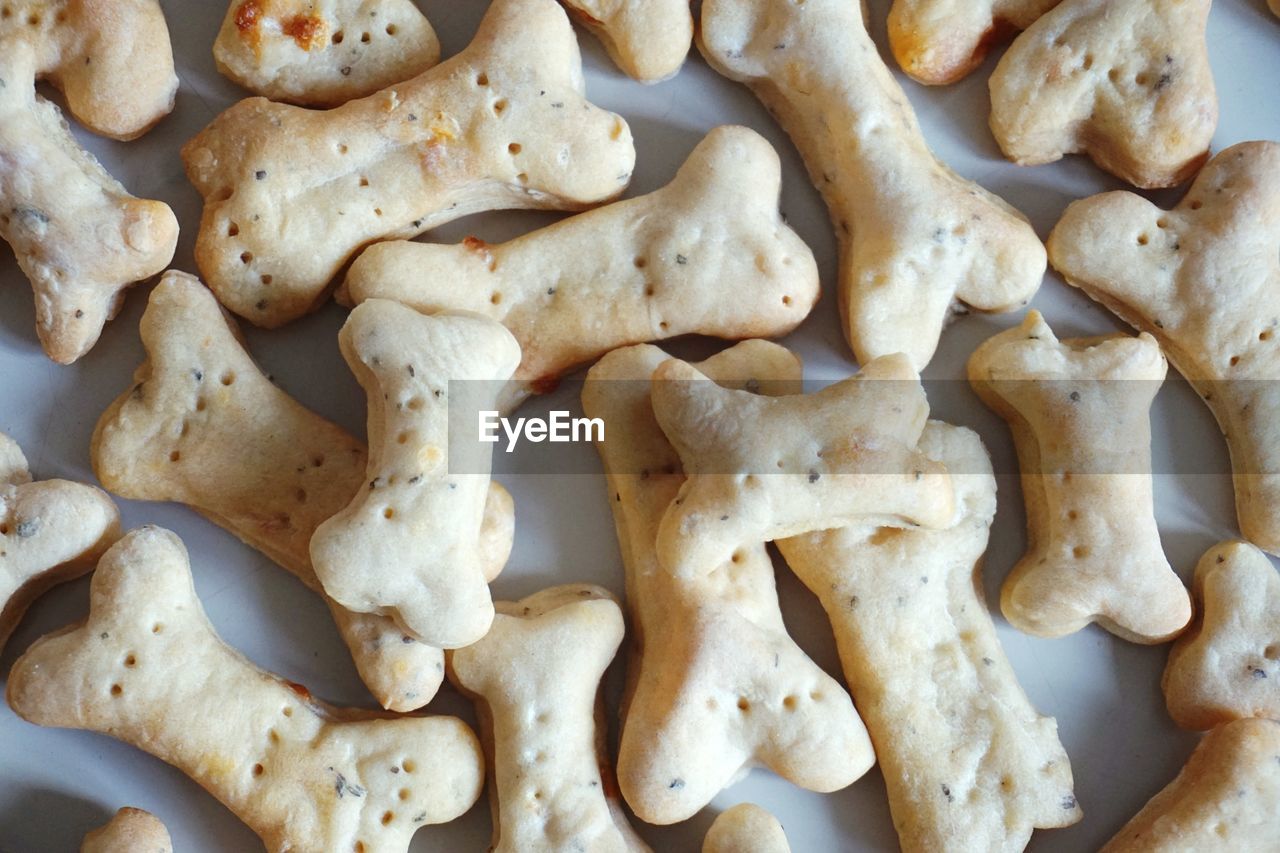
360 139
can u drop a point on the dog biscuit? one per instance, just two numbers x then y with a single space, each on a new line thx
1226 666
147 668
980 768
745 828
715 683
1079 413
940 41
321 53
1125 81
291 194
707 254
648 39
408 545
203 426
130 831
1204 280
50 532
535 679
78 235
1223 801
915 238
762 468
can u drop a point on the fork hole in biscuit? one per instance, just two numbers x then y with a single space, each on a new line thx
1272 652
1006 783
408 766
482 79
743 705
117 690
499 105
246 257
391 29
317 460
786 300
228 378
300 496
1162 223
258 770
495 299
1072 515
663 325
201 405
522 178
414 404
131 660
6 13
649 290
342 148
1264 335
404 794
1080 551
272 736
514 148
287 711
387 817
1141 78
175 456
365 38
186 428
1113 75
402 438
364 182
265 279
640 263
736 558
815 696
338 37
789 703
157 628
1143 239
233 230
389 513
1196 204
1088 61
1235 359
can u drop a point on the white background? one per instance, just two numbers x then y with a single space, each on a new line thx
54 785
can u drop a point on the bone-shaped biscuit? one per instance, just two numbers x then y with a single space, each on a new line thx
203 426
707 254
1223 801
1125 81
408 545
762 468
129 831
147 668
716 685
648 39
323 52
969 764
1227 665
50 532
915 238
535 679
940 41
292 194
77 234
1079 413
745 828
1204 279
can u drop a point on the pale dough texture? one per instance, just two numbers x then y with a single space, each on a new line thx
709 254
147 668
1223 801
202 425
535 679
1127 82
648 39
1079 410
291 194
129 831
1227 666
50 532
969 764
916 240
78 235
761 468
745 828
321 53
1204 280
410 544
715 683
940 41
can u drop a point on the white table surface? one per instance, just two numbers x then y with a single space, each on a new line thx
55 785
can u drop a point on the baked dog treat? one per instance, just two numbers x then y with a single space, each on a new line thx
1223 801
50 532
707 254
1125 81
147 668
1079 413
940 41
969 763
648 39
745 828
535 679
77 234
203 426
1226 666
291 195
130 831
1204 279
321 53
762 468
410 544
715 683
915 238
